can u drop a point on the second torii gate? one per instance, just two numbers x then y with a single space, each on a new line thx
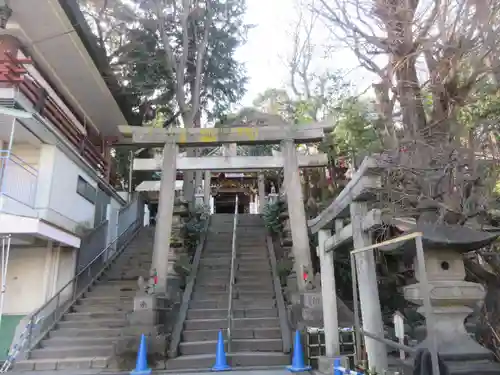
171 139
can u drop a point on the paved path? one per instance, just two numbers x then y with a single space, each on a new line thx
160 372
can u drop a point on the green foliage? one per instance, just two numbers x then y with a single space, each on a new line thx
284 268
193 228
354 130
271 215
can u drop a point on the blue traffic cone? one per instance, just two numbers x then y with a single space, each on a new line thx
220 356
336 365
141 365
298 364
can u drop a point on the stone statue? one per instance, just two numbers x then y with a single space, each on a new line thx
148 286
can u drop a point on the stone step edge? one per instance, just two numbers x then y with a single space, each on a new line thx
213 342
59 349
225 319
190 357
31 364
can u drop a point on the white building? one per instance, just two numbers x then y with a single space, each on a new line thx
57 115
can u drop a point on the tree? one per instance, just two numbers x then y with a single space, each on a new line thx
176 56
432 157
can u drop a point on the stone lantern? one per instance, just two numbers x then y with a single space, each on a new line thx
452 298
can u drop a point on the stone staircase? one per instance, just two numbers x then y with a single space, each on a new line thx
85 336
256 334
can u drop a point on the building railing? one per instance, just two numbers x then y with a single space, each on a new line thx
231 277
97 239
53 310
49 109
19 179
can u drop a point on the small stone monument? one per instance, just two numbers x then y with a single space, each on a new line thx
273 196
199 197
312 303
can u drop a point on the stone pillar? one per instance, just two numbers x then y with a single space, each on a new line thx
262 192
207 188
296 211
198 175
164 216
199 197
188 177
329 296
371 312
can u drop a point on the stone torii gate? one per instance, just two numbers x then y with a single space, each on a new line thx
171 139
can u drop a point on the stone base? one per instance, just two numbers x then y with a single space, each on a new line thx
325 364
125 351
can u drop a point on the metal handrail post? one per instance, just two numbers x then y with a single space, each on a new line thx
231 277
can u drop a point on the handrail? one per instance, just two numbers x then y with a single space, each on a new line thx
231 277
60 303
286 332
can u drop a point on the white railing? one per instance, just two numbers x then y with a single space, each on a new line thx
18 180
231 277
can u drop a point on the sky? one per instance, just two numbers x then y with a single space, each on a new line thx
269 43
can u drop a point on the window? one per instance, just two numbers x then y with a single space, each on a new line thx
86 190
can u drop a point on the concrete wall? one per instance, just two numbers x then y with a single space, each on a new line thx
27 275
20 181
35 274
57 199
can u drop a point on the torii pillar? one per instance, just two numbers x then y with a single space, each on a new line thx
163 228
296 212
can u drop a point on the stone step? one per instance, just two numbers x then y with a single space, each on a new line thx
93 323
115 287
249 279
237 313
242 359
86 316
240 288
127 283
212 334
237 294
253 273
194 324
237 303
211 295
237 345
252 267
68 342
72 352
254 284
86 332
106 300
82 363
117 293
131 275
107 308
